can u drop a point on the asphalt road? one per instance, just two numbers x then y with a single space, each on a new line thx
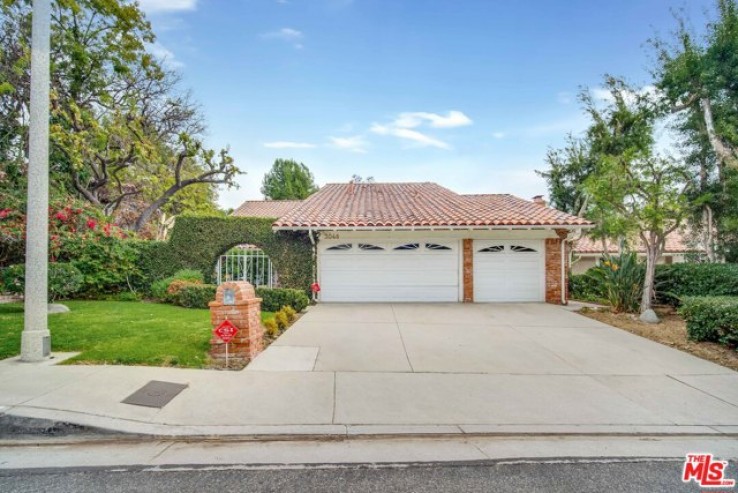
584 476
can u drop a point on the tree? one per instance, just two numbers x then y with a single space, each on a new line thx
288 180
698 77
121 131
645 194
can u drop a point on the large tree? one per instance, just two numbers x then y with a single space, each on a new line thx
645 193
121 130
698 77
288 180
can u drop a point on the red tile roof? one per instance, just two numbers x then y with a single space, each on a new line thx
676 242
266 208
339 205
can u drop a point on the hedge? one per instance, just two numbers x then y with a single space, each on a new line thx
273 299
676 281
196 243
711 318
195 295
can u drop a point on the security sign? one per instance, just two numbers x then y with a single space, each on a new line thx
225 331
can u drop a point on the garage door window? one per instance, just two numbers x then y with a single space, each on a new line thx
436 246
522 249
369 247
492 249
341 247
408 246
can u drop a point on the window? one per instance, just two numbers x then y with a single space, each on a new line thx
368 247
408 246
436 246
341 247
492 249
521 249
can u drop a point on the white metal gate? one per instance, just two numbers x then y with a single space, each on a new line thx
246 264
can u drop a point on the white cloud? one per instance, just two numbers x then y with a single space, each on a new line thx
286 144
165 55
288 35
152 6
499 135
356 143
407 126
414 136
415 119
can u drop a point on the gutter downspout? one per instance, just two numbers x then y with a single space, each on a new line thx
315 261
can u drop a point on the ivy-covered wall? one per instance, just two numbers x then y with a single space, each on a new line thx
196 242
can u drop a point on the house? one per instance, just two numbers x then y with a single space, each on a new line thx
422 242
677 248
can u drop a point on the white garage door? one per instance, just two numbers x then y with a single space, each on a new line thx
511 270
370 270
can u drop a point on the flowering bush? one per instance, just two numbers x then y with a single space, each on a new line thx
79 234
619 281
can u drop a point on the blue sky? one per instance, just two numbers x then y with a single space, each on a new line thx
466 93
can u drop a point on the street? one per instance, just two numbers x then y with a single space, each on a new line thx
509 476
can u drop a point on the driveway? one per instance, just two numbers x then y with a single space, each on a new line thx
507 364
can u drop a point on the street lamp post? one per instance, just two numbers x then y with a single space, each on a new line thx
36 338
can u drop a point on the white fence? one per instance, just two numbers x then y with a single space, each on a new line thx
246 264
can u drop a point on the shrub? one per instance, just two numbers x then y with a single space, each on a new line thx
676 281
271 327
273 299
282 319
584 287
619 281
159 288
711 318
291 312
195 295
64 279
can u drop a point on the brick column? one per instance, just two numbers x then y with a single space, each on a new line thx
243 310
468 271
553 268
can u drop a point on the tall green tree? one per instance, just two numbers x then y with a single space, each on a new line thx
698 77
645 194
121 130
288 180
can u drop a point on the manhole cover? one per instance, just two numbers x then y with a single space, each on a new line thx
155 394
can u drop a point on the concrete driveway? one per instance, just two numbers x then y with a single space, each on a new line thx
491 365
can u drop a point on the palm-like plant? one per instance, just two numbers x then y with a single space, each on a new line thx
620 281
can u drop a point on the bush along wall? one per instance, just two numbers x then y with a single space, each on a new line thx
711 318
196 243
677 281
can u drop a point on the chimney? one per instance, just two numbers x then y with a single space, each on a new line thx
352 185
538 199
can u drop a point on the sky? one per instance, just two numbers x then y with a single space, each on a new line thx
466 93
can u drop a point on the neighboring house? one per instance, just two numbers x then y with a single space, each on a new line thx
422 242
266 208
589 251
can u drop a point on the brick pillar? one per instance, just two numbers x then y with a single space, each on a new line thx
468 272
553 268
243 309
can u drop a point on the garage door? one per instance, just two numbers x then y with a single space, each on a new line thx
509 270
389 270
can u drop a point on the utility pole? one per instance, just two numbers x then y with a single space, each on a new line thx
36 338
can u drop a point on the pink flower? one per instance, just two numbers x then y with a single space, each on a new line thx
91 223
4 213
60 216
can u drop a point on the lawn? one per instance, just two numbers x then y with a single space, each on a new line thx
119 332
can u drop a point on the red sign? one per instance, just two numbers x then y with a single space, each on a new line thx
226 331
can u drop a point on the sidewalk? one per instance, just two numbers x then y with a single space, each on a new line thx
334 404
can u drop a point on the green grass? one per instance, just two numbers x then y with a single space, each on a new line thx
119 332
